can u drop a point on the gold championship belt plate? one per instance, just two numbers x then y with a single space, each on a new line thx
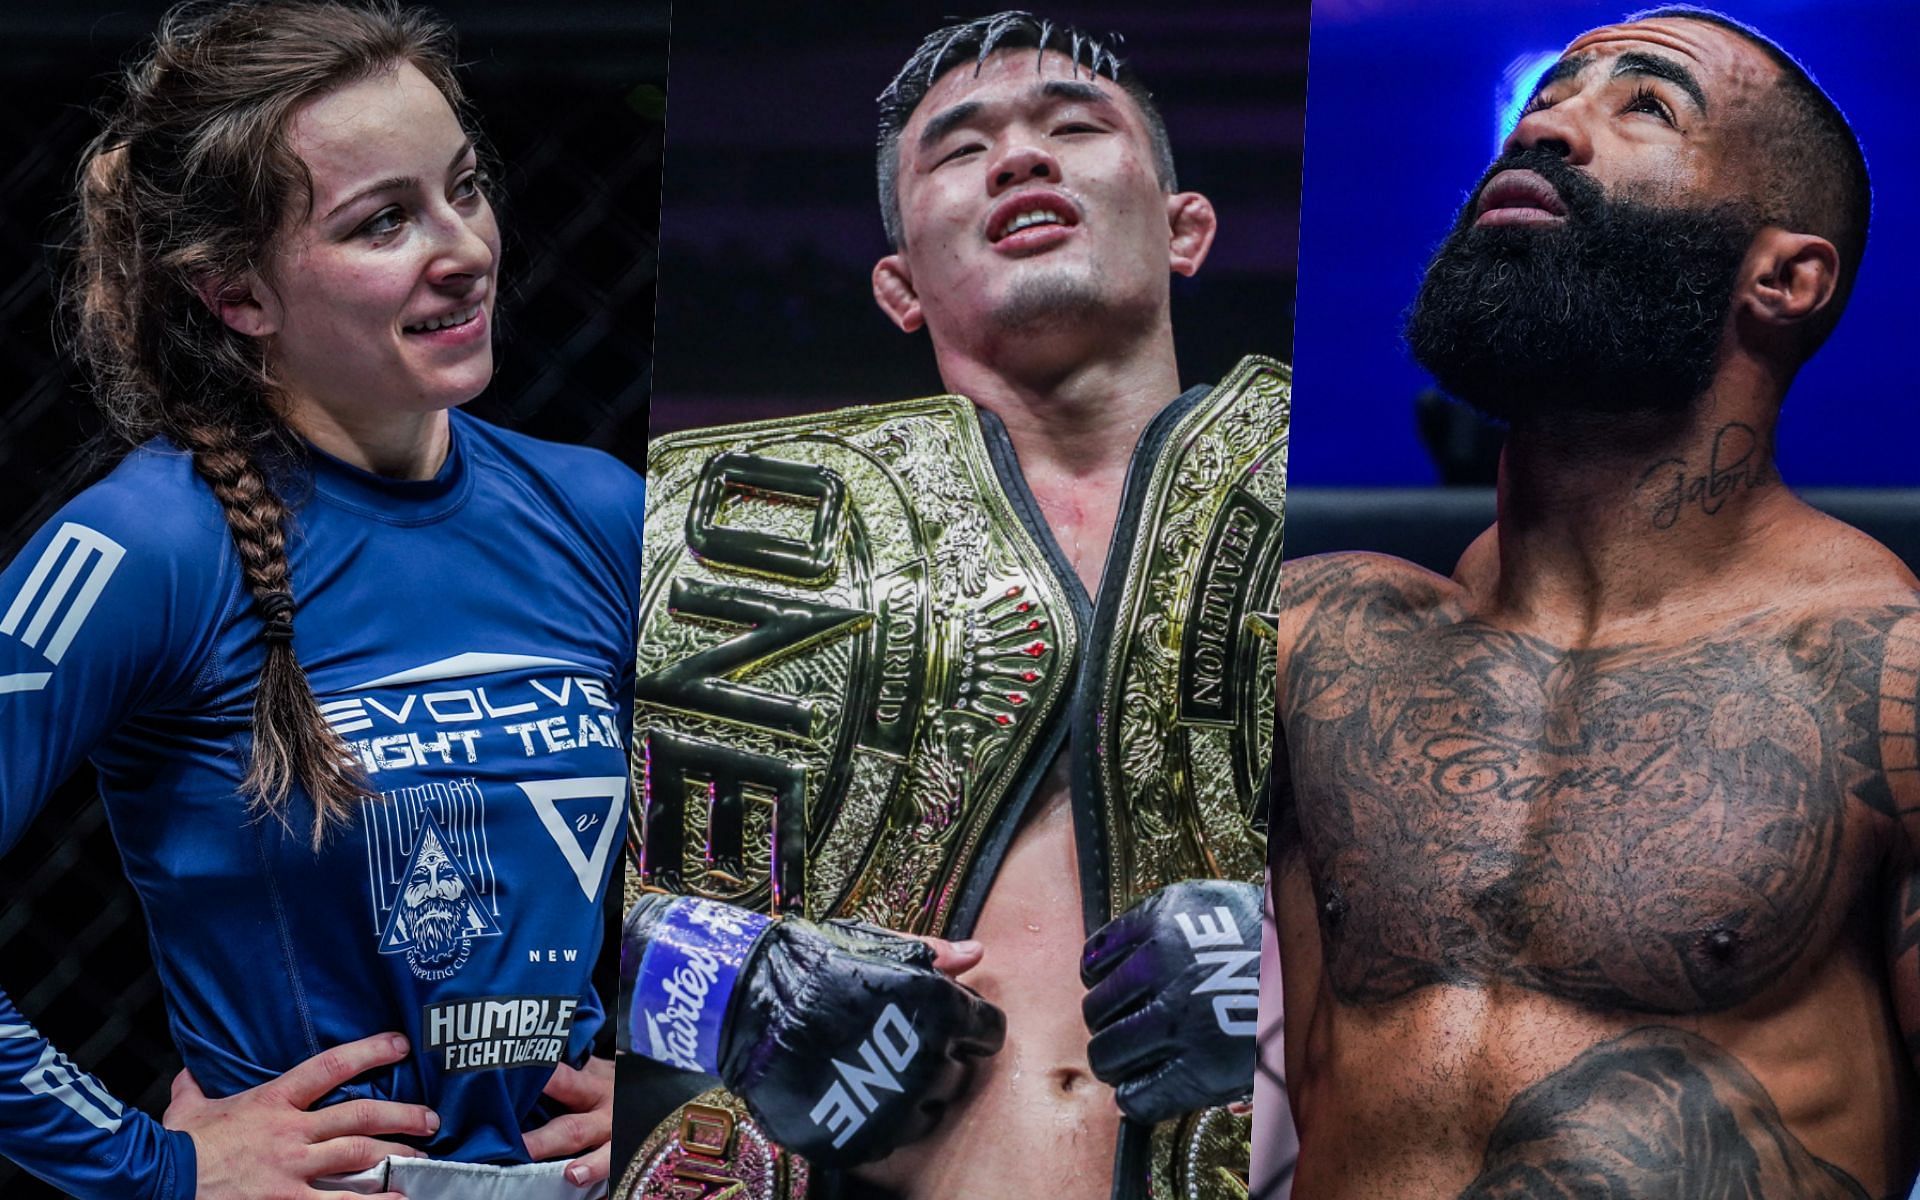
712 1150
849 649
1175 740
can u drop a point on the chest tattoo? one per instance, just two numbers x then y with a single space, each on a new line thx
1655 829
1659 1114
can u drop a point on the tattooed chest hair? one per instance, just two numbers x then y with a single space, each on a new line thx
1656 830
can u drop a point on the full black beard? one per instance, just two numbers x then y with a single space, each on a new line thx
1618 309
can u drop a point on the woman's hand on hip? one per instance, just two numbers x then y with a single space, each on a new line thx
265 1144
587 1124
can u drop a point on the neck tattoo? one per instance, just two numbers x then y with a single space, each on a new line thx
1736 462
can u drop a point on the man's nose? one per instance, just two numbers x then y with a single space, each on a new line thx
1022 162
1559 129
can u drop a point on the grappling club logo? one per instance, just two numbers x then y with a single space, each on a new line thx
439 900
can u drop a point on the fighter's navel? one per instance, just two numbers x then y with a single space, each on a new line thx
1069 1080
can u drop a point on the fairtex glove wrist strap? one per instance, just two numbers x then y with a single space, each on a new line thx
695 952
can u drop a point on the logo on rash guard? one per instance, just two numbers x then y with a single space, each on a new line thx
68 596
499 1031
55 1076
438 911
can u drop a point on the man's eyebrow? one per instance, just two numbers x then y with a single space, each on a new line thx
1560 72
948 120
395 182
1633 62
1068 89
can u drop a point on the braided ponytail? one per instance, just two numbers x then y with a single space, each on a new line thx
183 191
292 742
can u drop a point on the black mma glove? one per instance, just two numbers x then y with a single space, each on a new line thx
1175 997
842 1039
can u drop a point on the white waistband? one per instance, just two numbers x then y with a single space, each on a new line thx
437 1179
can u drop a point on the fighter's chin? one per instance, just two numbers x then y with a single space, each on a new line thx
452 387
1549 400
1051 296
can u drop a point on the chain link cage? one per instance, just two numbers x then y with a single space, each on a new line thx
572 100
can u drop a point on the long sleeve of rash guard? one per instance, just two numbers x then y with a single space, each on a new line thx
99 615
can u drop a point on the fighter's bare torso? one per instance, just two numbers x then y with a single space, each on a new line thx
1612 916
1035 1121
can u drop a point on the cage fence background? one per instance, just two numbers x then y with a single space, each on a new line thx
573 103
1275 1144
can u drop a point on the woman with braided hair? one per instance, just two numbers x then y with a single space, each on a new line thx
354 669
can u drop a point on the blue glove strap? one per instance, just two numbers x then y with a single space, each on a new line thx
694 954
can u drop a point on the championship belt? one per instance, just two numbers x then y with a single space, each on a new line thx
858 652
851 653
1173 730
850 649
713 1149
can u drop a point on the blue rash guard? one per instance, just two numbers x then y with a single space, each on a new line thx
471 638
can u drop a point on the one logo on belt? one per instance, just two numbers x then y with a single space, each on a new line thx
706 1158
499 1031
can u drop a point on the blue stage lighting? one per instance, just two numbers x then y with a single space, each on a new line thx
1516 88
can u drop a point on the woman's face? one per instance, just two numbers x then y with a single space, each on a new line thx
378 299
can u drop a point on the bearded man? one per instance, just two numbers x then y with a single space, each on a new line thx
987 666
431 902
1596 873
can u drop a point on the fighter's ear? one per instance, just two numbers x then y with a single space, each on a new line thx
246 306
1789 276
1192 221
893 292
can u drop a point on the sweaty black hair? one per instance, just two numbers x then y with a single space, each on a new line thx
974 41
1816 179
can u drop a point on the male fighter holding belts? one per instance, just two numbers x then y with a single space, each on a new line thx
867 637
1597 875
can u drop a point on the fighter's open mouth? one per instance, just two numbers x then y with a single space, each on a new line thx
1028 210
1520 190
446 322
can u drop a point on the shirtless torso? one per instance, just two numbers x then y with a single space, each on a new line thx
1035 1121
1624 915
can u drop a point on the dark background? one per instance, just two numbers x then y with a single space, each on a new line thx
572 98
771 221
